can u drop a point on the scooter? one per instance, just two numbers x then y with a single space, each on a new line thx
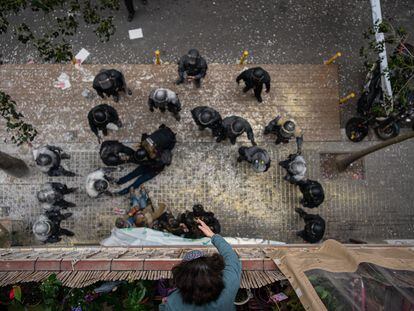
357 128
385 128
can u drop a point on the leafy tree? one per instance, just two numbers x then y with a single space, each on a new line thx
51 289
400 63
53 44
22 131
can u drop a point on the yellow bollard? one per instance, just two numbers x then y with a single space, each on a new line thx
346 98
332 59
157 57
243 57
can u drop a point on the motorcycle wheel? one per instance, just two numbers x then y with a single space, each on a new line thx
387 132
356 129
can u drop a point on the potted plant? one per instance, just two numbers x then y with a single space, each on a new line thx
243 296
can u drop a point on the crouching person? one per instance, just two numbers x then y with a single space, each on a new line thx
98 182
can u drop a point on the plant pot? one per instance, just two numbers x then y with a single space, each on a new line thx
243 296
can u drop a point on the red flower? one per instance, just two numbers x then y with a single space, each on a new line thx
11 295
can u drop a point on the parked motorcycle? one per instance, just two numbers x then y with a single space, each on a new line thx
385 128
372 97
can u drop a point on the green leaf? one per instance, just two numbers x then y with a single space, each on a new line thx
324 294
17 293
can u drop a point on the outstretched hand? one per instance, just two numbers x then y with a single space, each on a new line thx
204 228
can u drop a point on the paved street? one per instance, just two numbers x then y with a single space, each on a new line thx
292 38
247 204
273 31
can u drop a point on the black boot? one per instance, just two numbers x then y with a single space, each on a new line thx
179 81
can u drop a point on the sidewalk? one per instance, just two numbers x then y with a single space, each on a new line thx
247 204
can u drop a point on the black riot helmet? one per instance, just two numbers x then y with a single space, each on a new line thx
100 116
198 210
160 95
44 160
140 154
174 223
105 81
193 56
261 162
205 117
317 229
237 127
48 196
258 74
289 127
100 185
316 192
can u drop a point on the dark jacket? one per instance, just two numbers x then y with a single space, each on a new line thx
247 77
117 81
111 151
311 200
172 102
52 195
216 122
308 234
189 219
227 124
112 117
56 231
250 154
199 70
163 138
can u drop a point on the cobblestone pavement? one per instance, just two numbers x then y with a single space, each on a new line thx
247 204
273 31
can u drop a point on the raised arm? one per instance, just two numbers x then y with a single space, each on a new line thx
250 134
181 67
267 82
232 268
241 76
92 125
151 104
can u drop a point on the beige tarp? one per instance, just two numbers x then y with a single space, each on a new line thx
333 256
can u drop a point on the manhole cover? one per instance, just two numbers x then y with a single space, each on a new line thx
354 171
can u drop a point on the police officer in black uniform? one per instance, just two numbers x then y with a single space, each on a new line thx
189 220
164 99
52 195
257 157
206 117
192 67
103 117
114 153
48 159
47 228
285 130
235 126
314 227
110 82
254 78
313 194
153 156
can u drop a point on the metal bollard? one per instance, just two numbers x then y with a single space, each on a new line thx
332 59
346 98
243 57
157 57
